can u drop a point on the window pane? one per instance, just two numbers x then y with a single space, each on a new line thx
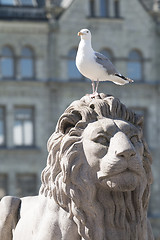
116 8
135 65
27 52
26 185
26 63
72 53
28 133
18 133
7 52
26 68
107 53
134 70
134 56
104 8
92 7
7 67
23 113
7 2
26 2
23 127
73 72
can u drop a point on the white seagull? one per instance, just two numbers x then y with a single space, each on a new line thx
94 65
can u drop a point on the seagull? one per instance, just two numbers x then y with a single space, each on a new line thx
94 65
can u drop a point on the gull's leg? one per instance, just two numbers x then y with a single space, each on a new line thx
94 89
97 86
93 86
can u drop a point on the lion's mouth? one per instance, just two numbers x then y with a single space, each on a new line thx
101 176
125 180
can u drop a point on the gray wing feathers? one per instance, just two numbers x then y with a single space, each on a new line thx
106 63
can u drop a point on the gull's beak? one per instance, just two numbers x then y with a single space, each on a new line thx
80 34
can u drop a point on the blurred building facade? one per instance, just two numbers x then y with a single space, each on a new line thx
39 79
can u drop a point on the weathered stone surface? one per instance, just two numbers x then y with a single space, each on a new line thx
96 184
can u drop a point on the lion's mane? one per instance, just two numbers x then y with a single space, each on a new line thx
67 179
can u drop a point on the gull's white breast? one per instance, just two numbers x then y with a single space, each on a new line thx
86 64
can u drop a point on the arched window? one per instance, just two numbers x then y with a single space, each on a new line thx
73 72
7 62
108 53
134 65
104 8
27 63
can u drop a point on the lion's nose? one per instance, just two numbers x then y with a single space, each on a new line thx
126 153
124 148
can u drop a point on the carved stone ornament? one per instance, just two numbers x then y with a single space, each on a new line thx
96 184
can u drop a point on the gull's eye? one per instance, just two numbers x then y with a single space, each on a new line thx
87 31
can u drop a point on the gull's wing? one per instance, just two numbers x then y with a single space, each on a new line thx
106 63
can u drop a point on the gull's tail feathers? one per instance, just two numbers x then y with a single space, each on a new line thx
121 80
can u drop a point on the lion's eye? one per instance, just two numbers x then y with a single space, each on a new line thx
102 140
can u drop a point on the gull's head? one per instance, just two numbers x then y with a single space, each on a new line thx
85 34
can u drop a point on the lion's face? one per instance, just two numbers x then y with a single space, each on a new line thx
114 152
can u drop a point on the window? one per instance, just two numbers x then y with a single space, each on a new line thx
92 8
2 127
3 185
7 2
116 8
27 63
19 2
27 2
73 72
108 54
134 65
104 8
26 184
23 131
7 62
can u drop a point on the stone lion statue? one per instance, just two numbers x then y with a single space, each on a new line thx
96 184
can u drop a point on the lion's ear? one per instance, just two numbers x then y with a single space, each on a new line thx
66 125
68 121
